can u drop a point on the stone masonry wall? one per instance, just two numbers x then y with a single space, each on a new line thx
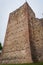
36 39
17 45
24 37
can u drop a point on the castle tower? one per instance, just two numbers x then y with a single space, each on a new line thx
17 45
24 37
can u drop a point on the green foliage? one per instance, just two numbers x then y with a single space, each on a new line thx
0 46
26 64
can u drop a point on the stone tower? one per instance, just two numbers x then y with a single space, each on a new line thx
17 45
24 37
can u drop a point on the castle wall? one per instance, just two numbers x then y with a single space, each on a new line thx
36 39
24 37
17 45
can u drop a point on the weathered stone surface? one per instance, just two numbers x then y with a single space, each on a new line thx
36 39
24 37
17 45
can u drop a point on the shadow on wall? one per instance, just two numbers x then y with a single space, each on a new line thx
32 44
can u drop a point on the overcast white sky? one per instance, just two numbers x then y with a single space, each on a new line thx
7 6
